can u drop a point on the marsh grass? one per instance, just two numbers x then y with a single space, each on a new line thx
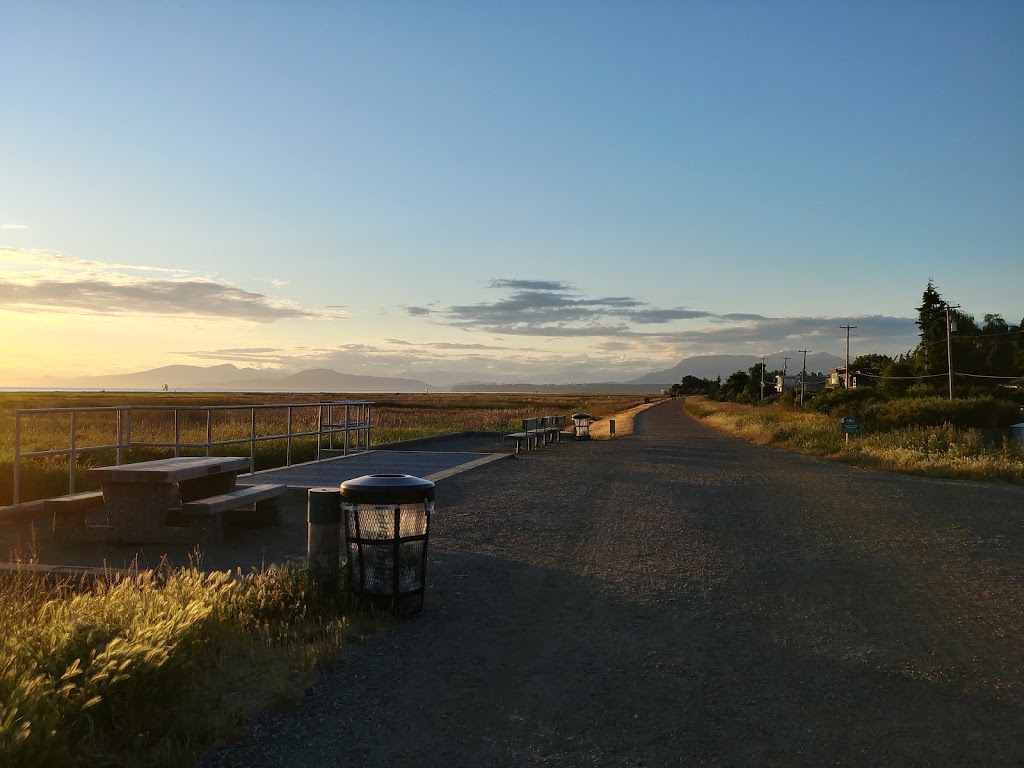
89 672
936 451
395 418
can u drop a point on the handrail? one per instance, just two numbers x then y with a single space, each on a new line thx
327 426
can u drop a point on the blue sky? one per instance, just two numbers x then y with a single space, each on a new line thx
528 190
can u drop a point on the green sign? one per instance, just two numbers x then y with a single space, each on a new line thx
850 425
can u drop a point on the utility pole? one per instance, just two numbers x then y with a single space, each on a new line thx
848 329
949 345
803 376
762 377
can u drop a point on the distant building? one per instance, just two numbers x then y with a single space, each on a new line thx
815 383
837 377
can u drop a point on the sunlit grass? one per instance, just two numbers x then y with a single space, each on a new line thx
943 451
92 671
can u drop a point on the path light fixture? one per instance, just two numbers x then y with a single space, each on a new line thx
387 518
581 425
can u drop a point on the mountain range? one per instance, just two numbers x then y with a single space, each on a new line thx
228 377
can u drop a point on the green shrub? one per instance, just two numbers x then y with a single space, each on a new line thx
976 413
845 402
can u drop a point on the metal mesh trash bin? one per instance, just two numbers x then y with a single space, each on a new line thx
387 521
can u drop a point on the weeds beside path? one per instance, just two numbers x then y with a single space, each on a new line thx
682 597
935 451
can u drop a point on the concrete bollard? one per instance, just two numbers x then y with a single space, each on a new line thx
323 540
611 427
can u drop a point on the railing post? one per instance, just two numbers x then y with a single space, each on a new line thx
252 440
17 457
288 450
73 461
177 433
120 436
347 423
209 430
319 429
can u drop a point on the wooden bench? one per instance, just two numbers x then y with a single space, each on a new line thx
67 513
547 427
205 514
555 429
530 434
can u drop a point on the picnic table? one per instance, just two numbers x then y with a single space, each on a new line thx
139 497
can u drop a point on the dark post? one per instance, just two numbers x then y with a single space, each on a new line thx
323 541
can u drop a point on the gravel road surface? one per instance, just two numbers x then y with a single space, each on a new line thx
678 598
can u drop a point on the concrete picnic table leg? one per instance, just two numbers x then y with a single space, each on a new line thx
137 512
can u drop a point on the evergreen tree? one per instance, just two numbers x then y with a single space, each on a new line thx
930 356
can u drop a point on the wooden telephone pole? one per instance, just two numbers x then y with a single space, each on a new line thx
949 345
803 376
847 369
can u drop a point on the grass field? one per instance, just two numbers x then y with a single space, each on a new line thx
395 417
935 451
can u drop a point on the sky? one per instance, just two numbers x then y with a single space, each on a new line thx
535 191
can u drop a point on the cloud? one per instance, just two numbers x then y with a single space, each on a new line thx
13 226
549 308
417 311
43 281
530 285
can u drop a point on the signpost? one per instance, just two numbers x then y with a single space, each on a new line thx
851 426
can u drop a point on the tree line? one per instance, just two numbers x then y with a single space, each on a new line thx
986 356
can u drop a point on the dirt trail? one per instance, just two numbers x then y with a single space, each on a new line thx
680 597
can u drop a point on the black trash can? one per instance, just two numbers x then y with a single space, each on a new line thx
387 524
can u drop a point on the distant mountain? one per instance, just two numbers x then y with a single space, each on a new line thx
712 366
326 380
229 377
174 376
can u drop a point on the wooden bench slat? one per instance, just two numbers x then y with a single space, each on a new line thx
246 494
75 502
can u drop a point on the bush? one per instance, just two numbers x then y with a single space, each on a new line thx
845 402
976 413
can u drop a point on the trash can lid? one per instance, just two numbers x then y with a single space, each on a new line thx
387 489
582 416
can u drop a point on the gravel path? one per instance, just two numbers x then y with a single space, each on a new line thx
680 597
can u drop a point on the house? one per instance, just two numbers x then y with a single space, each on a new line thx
815 383
837 377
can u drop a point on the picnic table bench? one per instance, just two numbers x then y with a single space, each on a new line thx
537 432
142 501
530 434
555 425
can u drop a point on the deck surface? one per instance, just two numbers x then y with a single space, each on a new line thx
429 465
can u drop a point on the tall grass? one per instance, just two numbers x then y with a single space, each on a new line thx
938 451
89 673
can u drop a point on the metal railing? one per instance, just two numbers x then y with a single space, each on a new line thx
350 418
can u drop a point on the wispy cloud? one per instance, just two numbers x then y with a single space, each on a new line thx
43 281
13 226
551 308
554 309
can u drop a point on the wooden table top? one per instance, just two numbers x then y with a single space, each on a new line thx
169 470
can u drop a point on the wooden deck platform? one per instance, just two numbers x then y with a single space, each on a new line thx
429 465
